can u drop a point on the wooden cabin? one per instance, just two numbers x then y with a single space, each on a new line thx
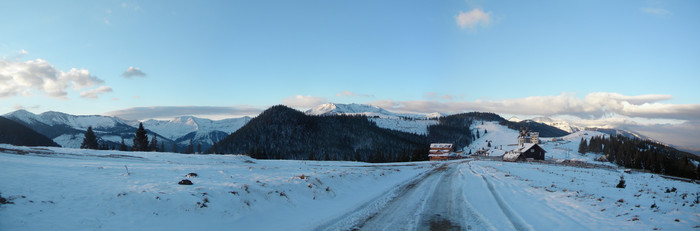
440 151
524 152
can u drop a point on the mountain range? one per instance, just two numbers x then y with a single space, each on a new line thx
68 130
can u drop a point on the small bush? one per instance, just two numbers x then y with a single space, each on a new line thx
621 184
185 182
191 175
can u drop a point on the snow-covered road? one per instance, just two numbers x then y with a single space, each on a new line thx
467 195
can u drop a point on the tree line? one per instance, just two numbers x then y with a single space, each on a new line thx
141 143
642 154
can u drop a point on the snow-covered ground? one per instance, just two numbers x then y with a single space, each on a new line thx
72 189
554 197
504 139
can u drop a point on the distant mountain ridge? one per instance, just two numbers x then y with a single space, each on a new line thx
67 130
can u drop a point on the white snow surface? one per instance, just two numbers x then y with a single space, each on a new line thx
72 189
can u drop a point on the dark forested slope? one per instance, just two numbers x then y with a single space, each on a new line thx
14 133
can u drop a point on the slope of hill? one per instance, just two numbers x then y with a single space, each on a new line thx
284 133
15 133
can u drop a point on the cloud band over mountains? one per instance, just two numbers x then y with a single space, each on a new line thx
141 113
592 106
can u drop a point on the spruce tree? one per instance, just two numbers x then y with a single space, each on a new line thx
122 146
140 140
174 150
90 140
162 147
154 144
190 148
583 146
199 148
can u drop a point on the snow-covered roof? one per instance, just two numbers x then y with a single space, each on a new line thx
524 147
440 145
511 156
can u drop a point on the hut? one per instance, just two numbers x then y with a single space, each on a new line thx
524 152
440 151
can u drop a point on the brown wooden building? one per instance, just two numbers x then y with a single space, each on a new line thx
524 152
440 151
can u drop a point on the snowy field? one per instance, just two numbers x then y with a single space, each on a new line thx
72 189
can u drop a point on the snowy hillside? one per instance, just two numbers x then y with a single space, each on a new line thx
563 125
411 123
70 189
181 126
504 139
52 118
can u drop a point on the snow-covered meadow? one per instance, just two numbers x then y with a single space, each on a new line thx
73 189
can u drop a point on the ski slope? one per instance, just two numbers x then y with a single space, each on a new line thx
72 189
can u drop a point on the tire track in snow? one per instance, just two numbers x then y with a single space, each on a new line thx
433 201
517 221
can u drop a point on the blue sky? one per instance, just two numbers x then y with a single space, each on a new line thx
598 61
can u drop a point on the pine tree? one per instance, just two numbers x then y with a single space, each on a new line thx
199 148
122 146
583 146
90 140
477 134
190 148
486 131
154 144
162 147
174 148
140 140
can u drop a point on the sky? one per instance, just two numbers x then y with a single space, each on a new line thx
599 63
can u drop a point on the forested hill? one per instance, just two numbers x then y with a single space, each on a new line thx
528 125
15 133
284 133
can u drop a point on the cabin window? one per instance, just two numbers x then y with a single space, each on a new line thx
532 150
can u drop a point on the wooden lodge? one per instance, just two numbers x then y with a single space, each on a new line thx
440 151
524 152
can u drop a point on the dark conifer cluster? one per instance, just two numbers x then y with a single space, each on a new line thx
643 154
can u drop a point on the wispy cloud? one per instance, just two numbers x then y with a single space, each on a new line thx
655 11
133 72
141 113
21 77
594 105
92 94
347 93
300 101
473 18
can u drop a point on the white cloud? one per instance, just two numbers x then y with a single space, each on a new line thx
21 77
300 101
133 72
92 94
141 113
473 18
594 105
655 11
23 52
